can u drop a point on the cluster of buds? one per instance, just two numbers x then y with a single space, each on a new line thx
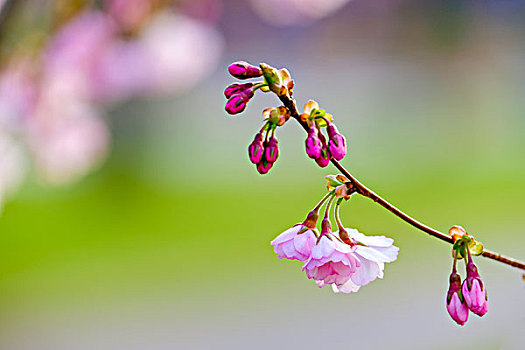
317 146
346 259
263 151
238 95
470 295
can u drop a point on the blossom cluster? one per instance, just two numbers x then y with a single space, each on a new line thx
53 96
470 295
263 150
346 259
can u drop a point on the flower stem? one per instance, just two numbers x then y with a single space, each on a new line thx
336 212
328 205
321 202
290 104
454 269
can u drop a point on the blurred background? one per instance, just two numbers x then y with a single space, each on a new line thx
132 218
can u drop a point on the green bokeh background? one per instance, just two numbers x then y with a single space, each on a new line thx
167 244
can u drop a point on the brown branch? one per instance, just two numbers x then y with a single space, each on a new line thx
290 104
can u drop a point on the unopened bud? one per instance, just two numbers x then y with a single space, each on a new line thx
244 70
233 89
271 150
235 105
264 167
456 306
313 143
256 149
337 143
474 291
324 159
239 98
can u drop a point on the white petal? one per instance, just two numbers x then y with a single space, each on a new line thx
304 242
286 235
366 273
348 287
376 241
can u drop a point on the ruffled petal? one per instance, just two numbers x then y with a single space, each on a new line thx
287 235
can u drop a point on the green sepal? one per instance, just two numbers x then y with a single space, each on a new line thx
475 247
332 180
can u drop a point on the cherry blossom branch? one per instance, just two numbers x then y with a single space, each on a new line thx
361 189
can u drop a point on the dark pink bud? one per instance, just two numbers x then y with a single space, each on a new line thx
235 105
337 143
456 307
474 291
264 167
313 143
271 150
324 159
256 149
244 70
236 88
237 102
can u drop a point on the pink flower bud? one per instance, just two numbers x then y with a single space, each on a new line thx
474 292
256 149
244 70
337 143
313 143
237 88
264 167
235 105
271 150
239 98
456 307
324 159
232 89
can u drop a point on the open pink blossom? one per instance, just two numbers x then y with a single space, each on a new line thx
331 261
295 243
372 256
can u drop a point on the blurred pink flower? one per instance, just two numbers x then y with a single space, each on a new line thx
182 51
171 55
75 50
52 103
18 93
292 12
67 142
121 72
128 13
